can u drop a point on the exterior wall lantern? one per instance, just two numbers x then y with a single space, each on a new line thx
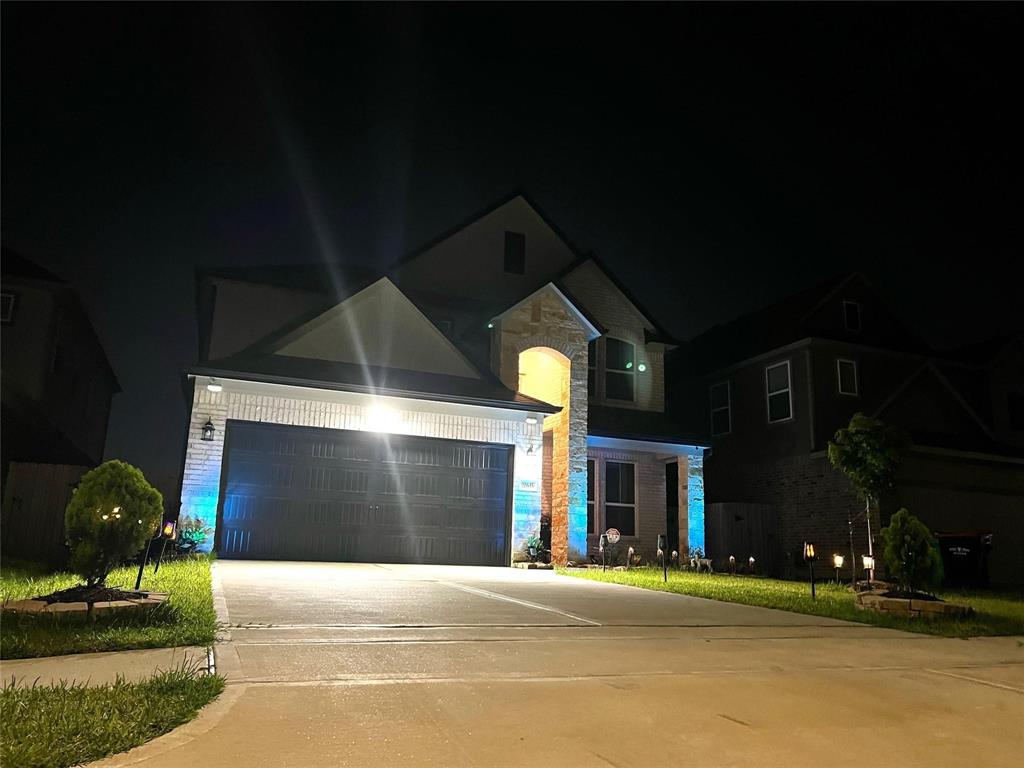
208 430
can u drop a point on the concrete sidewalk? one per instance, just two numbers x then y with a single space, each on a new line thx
100 668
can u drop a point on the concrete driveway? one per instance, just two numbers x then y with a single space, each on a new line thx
344 664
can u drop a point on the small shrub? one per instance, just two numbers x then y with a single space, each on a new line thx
910 553
192 534
110 517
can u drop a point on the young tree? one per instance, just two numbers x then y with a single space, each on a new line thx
911 553
110 517
869 453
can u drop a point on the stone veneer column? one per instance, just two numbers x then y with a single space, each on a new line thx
547 322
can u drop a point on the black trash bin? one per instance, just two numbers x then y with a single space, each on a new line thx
965 557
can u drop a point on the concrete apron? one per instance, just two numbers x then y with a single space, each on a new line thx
595 675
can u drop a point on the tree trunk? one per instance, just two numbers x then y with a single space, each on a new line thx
871 546
853 556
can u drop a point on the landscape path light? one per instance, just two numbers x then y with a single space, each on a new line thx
869 567
837 562
809 558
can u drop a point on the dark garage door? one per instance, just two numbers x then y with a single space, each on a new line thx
299 493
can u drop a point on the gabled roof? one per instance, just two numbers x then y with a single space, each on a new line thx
486 211
341 280
353 347
13 264
780 324
361 329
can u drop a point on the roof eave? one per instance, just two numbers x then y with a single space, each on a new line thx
535 406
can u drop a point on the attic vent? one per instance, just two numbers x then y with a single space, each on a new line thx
515 253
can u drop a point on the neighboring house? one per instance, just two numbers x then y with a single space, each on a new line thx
57 386
496 383
774 386
57 381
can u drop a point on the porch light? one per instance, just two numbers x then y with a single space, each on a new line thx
208 430
531 419
213 386
642 367
490 325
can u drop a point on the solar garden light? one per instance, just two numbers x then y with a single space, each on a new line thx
837 562
676 560
750 562
603 545
168 535
732 564
809 558
629 557
662 546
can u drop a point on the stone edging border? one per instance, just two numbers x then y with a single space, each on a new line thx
82 609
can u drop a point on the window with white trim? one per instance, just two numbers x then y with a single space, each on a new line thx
592 496
779 392
846 377
721 408
619 370
620 497
851 315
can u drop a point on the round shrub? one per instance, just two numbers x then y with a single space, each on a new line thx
911 553
110 517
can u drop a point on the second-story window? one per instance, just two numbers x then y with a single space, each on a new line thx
515 253
619 370
851 315
779 392
846 375
721 409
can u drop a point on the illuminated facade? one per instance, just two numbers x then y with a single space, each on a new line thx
498 334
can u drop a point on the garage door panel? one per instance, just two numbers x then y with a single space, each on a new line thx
306 493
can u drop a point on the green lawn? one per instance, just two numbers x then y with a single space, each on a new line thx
187 618
997 613
65 725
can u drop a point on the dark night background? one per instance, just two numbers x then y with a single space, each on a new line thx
717 157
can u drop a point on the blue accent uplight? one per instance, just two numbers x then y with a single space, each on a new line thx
695 503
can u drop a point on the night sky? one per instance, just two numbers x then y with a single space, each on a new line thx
717 157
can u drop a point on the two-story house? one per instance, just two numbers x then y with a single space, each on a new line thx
774 386
57 380
495 383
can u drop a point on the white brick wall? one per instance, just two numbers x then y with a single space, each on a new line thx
246 401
